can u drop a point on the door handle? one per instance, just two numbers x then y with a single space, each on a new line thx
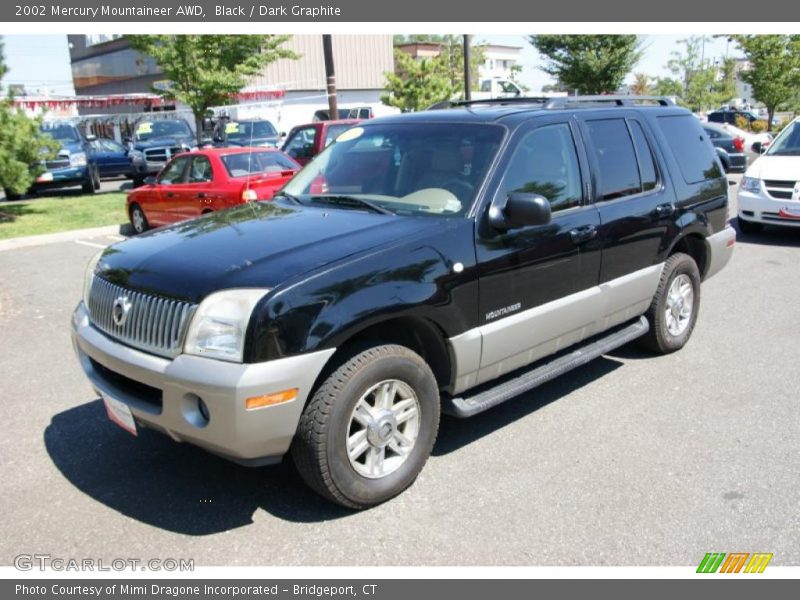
583 234
665 210
201 195
170 194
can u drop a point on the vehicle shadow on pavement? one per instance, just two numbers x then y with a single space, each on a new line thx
771 236
455 433
173 486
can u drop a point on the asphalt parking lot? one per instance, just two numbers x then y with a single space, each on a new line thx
632 460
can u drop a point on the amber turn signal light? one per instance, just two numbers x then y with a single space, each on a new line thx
270 399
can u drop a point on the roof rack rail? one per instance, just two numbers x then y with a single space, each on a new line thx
616 100
554 102
511 100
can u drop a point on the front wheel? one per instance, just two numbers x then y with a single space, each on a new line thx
369 428
673 311
138 219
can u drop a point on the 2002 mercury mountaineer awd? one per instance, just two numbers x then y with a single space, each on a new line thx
441 261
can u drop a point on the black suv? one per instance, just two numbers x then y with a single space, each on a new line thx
441 261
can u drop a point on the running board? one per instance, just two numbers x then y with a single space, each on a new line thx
469 405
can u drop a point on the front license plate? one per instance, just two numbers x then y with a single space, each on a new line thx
120 414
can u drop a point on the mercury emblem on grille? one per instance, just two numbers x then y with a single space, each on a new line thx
120 310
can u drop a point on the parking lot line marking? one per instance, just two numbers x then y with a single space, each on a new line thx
85 243
116 238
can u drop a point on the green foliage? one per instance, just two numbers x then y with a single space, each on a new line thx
774 71
205 70
741 122
703 84
759 126
590 64
416 84
22 146
666 86
452 54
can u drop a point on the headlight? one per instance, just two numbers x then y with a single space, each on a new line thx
88 276
136 156
218 327
750 184
77 160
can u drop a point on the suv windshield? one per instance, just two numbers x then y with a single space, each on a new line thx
407 168
61 133
149 130
241 132
788 142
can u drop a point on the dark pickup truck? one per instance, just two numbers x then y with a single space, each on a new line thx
441 261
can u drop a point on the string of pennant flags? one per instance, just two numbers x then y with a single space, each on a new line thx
107 101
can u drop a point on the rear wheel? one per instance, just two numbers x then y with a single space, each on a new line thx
369 428
673 311
138 219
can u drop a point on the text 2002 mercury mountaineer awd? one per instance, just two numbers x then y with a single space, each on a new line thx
442 261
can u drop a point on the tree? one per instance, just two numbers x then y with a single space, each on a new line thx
641 84
451 49
774 71
588 64
416 84
704 83
206 70
666 86
22 146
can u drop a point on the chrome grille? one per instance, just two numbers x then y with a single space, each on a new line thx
162 154
154 324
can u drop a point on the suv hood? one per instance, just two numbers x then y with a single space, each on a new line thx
255 245
786 168
161 142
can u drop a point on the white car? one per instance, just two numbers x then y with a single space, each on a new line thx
770 189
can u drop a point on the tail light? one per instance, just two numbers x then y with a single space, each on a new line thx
249 195
738 143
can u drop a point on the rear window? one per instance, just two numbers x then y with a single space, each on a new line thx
248 163
691 147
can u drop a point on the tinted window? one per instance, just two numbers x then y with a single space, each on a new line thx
173 172
200 171
647 165
545 162
616 159
334 131
690 146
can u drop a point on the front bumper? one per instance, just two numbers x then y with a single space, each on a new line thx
172 387
58 178
760 208
720 246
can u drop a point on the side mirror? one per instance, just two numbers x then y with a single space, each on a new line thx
757 148
520 210
282 134
151 180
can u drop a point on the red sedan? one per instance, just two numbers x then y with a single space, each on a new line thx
195 183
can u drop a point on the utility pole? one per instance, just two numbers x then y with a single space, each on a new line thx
327 49
467 76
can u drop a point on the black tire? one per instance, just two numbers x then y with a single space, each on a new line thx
97 179
749 226
88 185
139 225
660 339
138 181
319 448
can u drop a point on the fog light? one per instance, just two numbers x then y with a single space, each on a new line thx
195 411
201 406
270 399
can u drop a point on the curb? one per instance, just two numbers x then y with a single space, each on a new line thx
54 238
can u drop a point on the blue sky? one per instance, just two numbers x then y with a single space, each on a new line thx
42 61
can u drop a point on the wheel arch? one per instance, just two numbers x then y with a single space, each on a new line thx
695 245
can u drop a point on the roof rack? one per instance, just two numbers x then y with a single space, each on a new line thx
555 102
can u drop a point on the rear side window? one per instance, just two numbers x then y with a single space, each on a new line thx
647 165
616 158
690 146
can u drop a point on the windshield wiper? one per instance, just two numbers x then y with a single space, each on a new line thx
355 201
288 196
